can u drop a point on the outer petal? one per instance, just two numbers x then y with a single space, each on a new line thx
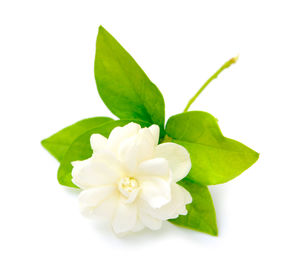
121 134
177 157
149 221
125 217
93 173
98 142
176 207
106 209
154 129
138 226
155 191
89 199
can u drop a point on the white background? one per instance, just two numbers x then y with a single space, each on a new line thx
46 83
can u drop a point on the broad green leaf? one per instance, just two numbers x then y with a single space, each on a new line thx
80 149
122 84
215 158
201 212
58 143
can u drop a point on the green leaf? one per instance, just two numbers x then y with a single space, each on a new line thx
80 149
201 212
215 158
123 86
58 143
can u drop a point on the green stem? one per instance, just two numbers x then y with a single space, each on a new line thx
214 76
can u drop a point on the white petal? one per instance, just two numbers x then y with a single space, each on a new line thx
176 207
156 191
154 167
177 157
136 149
149 221
89 199
154 129
120 134
106 209
127 154
92 173
98 142
106 157
138 226
145 144
125 217
132 196
187 196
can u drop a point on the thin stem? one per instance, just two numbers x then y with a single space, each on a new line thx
214 76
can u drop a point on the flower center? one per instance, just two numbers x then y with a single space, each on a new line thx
129 188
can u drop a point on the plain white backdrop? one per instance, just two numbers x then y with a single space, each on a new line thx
46 83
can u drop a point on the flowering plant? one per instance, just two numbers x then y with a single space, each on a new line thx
137 172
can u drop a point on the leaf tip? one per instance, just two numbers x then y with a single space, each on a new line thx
215 232
256 156
44 143
102 30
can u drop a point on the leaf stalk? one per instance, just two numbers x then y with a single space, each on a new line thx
214 76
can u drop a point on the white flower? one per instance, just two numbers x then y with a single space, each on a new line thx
131 180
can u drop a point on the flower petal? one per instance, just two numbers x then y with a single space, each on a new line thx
156 191
125 217
154 129
145 145
136 149
98 142
89 199
93 172
138 226
127 154
154 167
149 221
106 209
105 156
176 207
121 134
177 157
